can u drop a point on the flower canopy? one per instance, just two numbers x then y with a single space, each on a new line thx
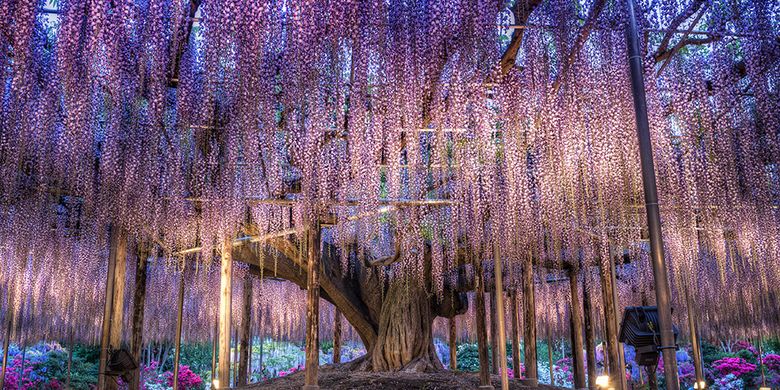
409 123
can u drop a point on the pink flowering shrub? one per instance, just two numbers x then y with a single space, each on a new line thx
12 380
187 379
772 362
733 365
744 345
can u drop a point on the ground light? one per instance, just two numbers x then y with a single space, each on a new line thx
602 381
215 384
700 385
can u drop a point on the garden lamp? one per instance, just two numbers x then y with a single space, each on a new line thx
764 388
215 384
602 381
700 385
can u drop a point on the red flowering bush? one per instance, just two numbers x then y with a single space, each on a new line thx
733 365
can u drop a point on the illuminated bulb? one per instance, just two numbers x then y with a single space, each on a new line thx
764 388
215 384
700 385
602 381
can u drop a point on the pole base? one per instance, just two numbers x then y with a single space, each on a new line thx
530 382
310 387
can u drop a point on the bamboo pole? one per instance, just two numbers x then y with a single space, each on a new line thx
453 341
177 342
70 360
313 309
225 310
246 331
529 325
337 338
501 327
576 330
515 312
139 301
479 312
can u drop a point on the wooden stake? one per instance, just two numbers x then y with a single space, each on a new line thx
529 307
225 310
313 309
70 360
246 331
337 338
177 342
576 330
590 335
501 327
139 301
484 369
515 313
453 345
113 307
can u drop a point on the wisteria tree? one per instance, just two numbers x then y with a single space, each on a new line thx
420 135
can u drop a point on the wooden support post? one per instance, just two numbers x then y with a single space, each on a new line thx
234 365
550 356
515 313
311 381
529 308
576 331
113 308
479 312
453 340
500 343
697 366
139 301
215 352
70 359
337 337
177 341
621 354
493 332
225 311
590 335
6 341
246 331
610 322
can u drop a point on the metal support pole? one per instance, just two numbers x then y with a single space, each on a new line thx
576 331
663 294
177 352
500 342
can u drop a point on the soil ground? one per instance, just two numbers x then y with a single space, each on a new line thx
334 379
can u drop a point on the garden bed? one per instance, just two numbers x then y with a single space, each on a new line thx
335 379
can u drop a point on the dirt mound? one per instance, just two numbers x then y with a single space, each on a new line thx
331 379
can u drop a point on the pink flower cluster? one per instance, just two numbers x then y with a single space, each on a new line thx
187 378
291 371
12 380
772 362
733 365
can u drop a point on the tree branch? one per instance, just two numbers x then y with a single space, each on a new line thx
582 37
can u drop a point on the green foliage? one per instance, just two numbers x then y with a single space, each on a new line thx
326 346
197 356
468 357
